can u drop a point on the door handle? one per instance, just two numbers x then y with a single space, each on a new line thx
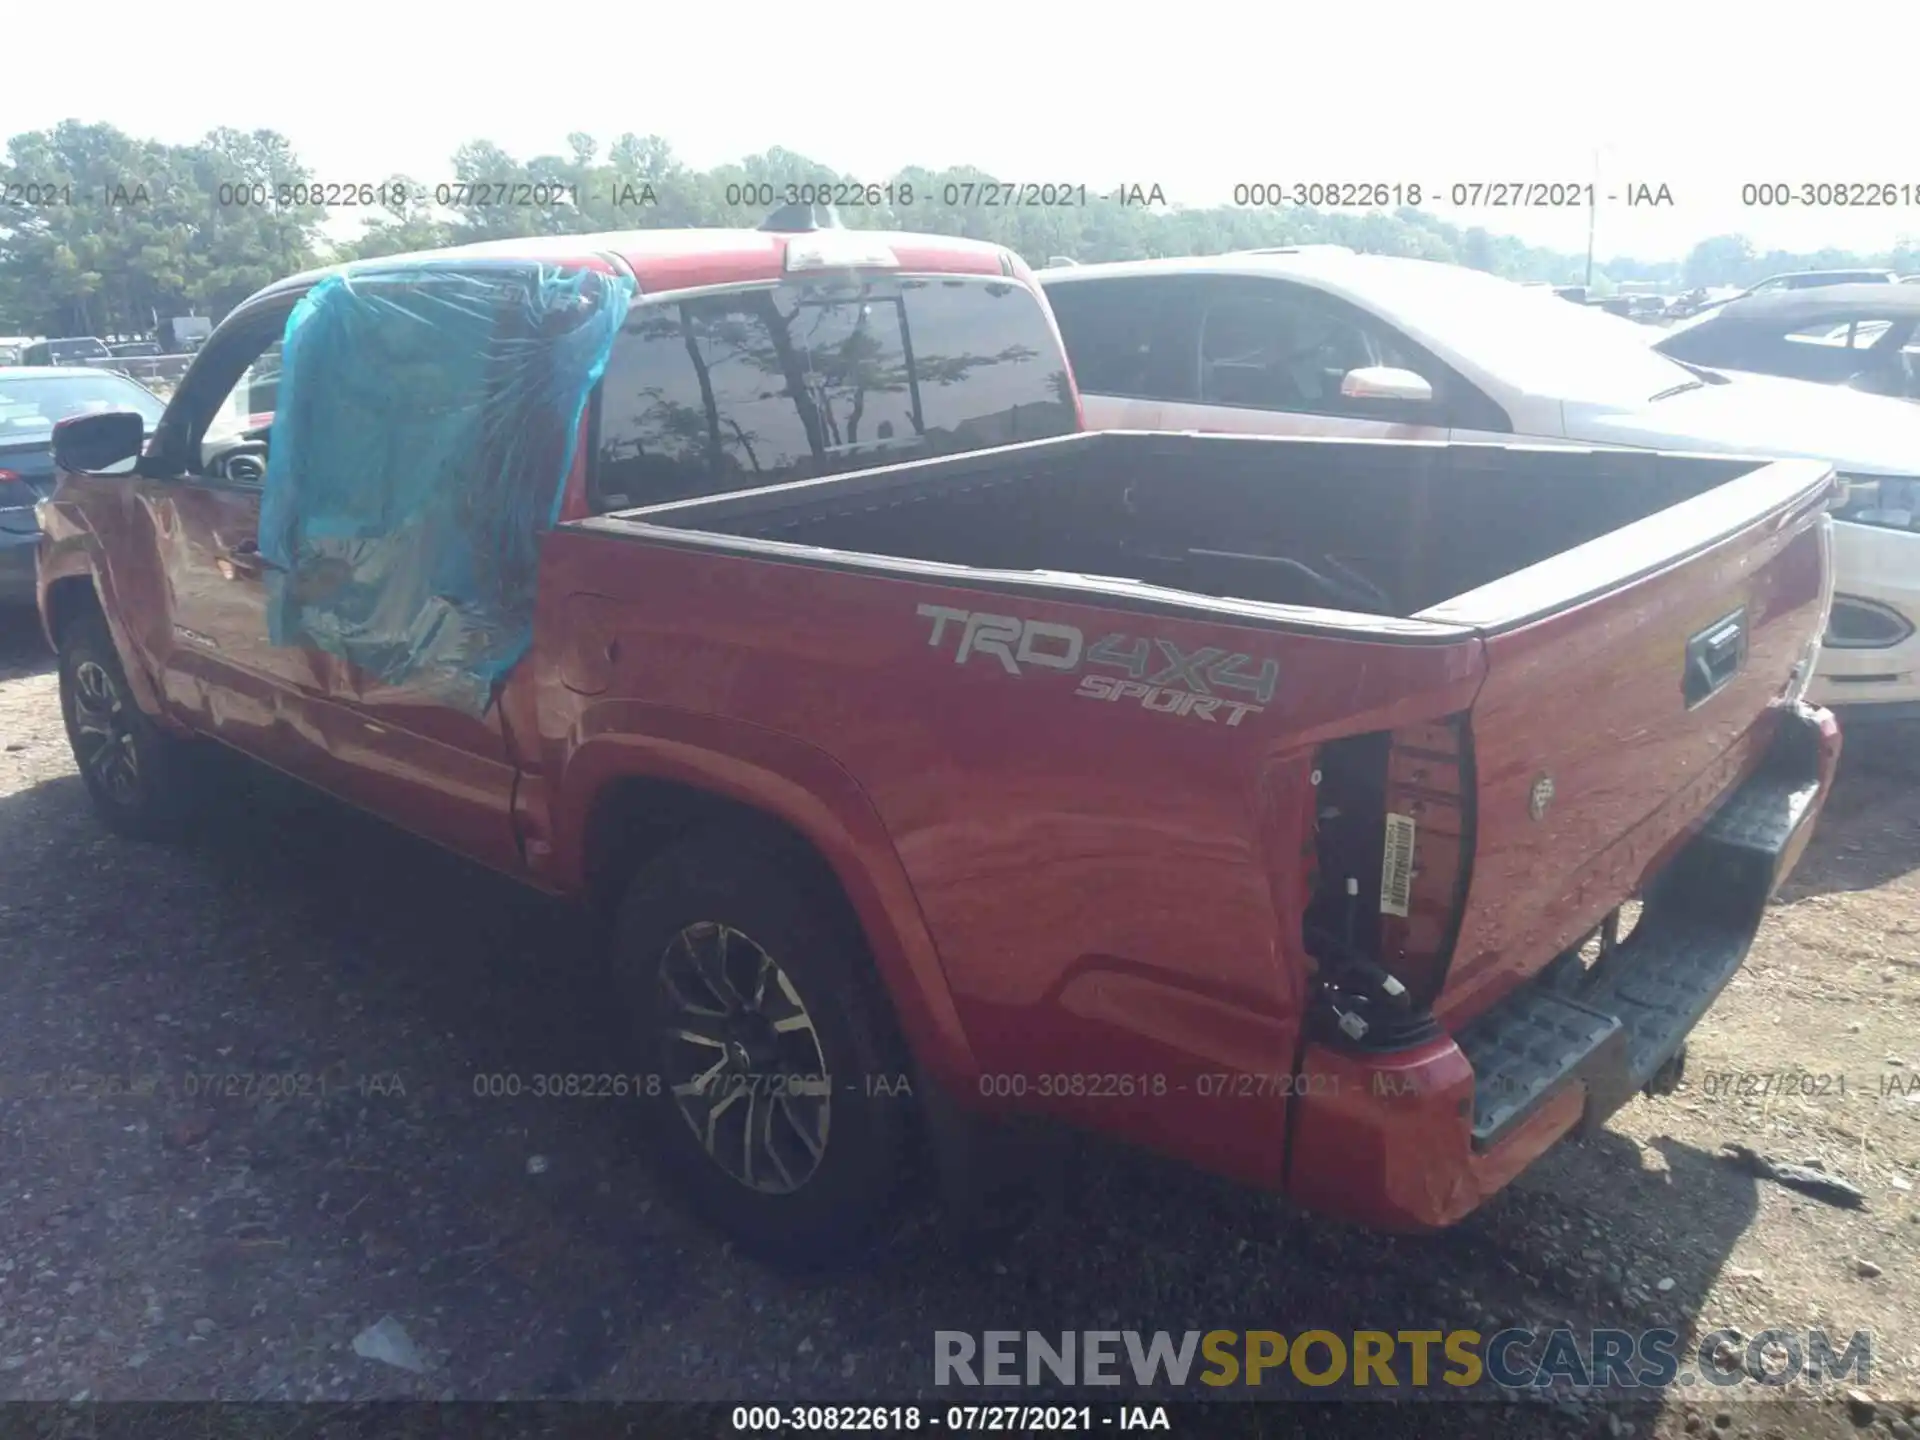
1714 657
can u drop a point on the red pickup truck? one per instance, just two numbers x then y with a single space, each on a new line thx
1321 888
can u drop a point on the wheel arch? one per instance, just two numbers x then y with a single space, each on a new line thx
68 598
647 780
76 592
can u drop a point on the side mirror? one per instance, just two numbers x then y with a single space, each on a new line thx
1874 382
98 442
1385 382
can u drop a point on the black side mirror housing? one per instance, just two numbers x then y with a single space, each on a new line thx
92 443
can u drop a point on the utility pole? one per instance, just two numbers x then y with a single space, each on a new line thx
1593 202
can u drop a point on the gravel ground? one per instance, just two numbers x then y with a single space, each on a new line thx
161 1242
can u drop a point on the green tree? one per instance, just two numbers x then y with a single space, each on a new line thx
1721 260
106 233
110 234
406 221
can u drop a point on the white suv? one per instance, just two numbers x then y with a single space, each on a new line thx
1319 342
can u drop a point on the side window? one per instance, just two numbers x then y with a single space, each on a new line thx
231 448
1276 347
655 440
1822 332
1117 333
1869 333
259 388
254 395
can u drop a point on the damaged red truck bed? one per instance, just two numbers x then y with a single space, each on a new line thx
1269 803
1280 889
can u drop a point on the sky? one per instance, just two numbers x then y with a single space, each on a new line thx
1197 98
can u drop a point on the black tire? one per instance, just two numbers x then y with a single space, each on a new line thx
789 910
135 773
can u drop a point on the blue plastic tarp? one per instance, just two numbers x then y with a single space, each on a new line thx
424 429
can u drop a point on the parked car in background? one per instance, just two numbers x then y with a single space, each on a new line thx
74 350
10 354
1373 346
1814 279
1701 299
1792 280
1865 336
32 402
135 349
184 334
1645 309
951 752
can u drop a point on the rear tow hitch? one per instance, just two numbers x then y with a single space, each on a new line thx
1667 1078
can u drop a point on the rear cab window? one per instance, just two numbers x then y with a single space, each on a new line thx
762 384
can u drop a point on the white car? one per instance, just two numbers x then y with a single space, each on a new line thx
1318 342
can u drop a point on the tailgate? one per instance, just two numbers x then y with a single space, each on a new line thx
1630 685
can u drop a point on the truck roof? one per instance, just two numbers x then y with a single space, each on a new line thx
682 259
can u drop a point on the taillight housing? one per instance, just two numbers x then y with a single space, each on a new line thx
1430 783
1390 863
1857 624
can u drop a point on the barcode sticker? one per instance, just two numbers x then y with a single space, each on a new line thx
1396 867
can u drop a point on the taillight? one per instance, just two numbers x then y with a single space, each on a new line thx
1428 817
1390 861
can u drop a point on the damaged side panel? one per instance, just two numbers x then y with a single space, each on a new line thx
428 419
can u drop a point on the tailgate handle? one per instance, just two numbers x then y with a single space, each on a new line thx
1715 656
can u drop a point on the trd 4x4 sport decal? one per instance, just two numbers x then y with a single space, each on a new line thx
1159 675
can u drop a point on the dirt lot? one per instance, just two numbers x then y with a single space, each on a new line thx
172 1245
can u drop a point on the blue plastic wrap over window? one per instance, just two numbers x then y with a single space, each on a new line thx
426 423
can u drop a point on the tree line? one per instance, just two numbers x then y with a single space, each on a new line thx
105 233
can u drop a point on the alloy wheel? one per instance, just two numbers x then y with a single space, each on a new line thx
103 738
744 1061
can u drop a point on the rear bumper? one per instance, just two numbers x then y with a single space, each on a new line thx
1415 1139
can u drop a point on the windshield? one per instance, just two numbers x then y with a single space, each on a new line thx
67 352
33 405
1522 342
